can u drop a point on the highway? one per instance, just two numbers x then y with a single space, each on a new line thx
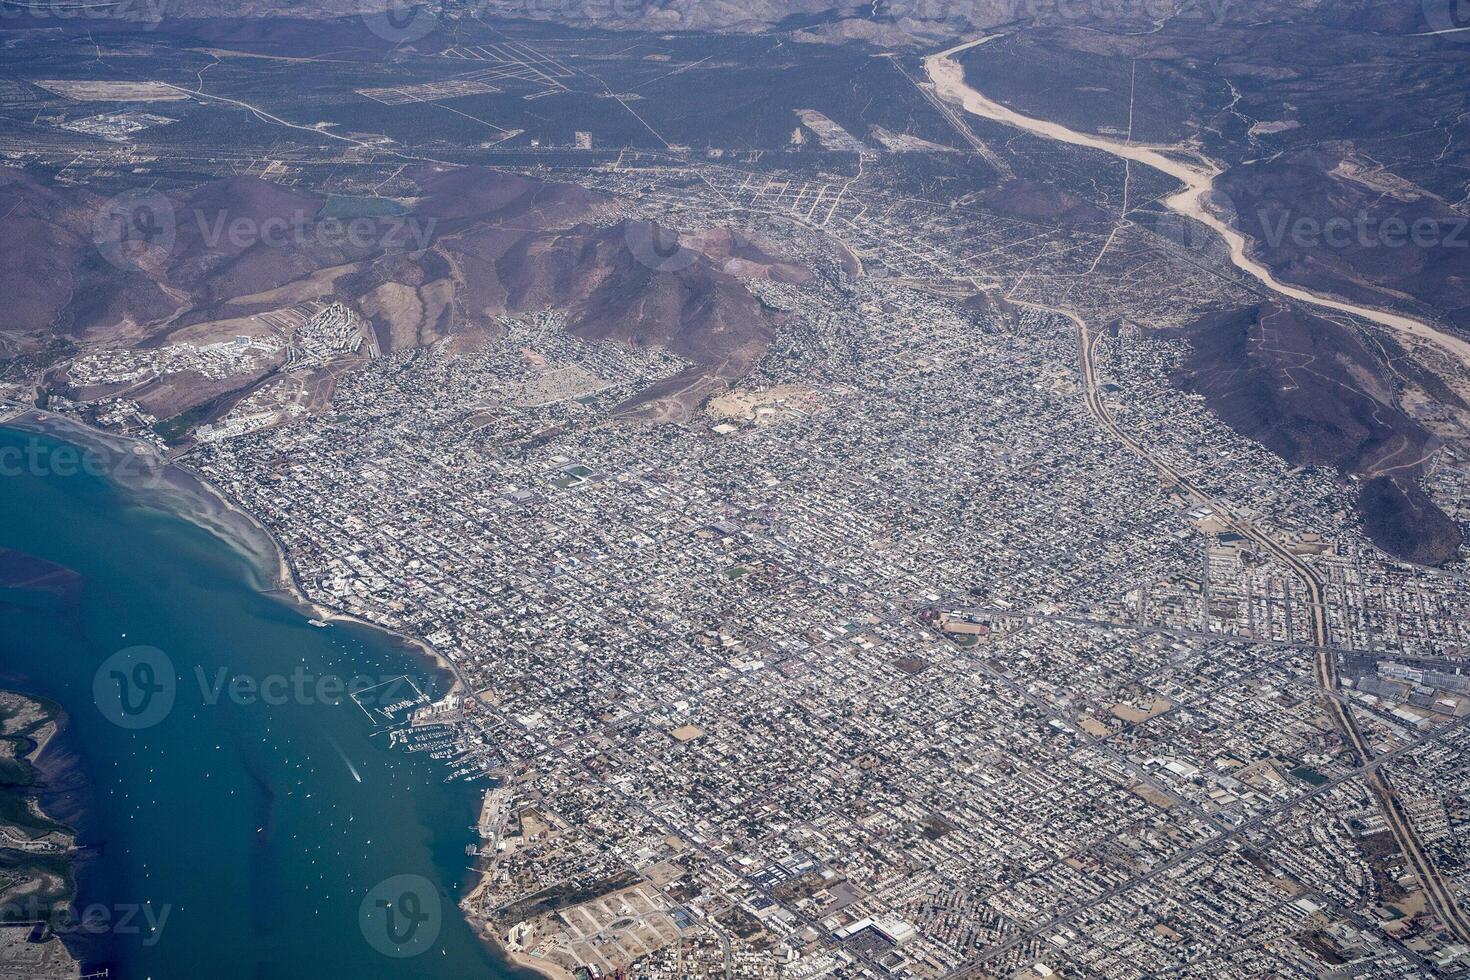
949 85
1441 899
1370 768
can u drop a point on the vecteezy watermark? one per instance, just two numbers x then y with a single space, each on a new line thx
400 21
657 247
406 21
302 686
401 916
125 919
1449 19
47 458
141 229
300 228
957 15
1362 230
148 14
135 230
138 687
135 688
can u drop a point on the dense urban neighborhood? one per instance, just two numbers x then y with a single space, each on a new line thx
844 566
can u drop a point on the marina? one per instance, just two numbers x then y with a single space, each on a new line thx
255 827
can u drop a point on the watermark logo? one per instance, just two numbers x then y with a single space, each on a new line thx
301 229
148 14
45 458
401 916
140 230
657 247
135 688
304 687
1449 19
138 687
1196 235
126 919
136 230
1362 230
400 21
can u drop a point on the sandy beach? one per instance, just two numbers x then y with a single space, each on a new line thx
486 931
181 490
520 958
540 966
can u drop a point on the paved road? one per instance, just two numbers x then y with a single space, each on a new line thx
1370 768
1438 893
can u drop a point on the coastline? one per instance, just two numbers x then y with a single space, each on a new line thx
42 790
483 929
193 497
180 490
538 966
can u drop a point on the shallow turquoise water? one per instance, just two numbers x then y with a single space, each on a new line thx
253 831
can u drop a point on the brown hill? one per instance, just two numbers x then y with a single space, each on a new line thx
474 193
54 279
241 236
1336 229
732 252
1311 392
470 245
616 284
695 309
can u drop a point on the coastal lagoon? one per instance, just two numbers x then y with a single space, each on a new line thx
259 825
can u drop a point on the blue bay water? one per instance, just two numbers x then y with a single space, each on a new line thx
257 831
